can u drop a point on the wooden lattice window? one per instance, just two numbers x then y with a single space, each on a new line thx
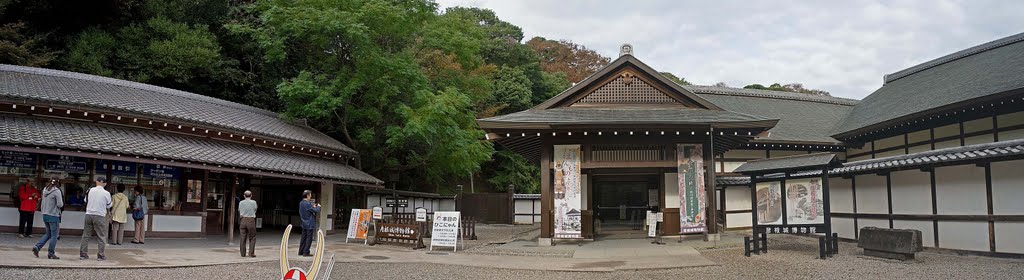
627 89
628 153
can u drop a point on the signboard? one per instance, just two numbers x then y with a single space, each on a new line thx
568 198
690 163
194 191
769 203
259 222
445 232
358 224
378 213
402 202
652 224
804 204
421 215
66 164
118 168
403 233
17 163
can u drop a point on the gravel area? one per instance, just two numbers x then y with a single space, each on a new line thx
788 258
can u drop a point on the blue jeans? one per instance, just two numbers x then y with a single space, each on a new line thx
52 231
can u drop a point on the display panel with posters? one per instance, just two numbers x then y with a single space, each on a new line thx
568 199
804 204
692 201
161 184
769 203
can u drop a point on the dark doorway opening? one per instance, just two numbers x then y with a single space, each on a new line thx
621 202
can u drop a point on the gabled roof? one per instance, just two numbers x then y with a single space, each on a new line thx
788 163
61 88
803 118
989 70
628 63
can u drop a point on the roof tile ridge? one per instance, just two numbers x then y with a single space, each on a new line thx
991 45
703 89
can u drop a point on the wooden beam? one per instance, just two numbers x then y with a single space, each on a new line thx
547 193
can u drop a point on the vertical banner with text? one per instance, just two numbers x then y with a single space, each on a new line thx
568 200
690 161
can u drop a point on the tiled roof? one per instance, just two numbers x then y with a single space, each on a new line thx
126 141
809 161
972 153
985 70
61 88
732 181
803 118
526 196
621 116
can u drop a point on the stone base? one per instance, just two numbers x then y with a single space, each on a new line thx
714 237
888 255
544 242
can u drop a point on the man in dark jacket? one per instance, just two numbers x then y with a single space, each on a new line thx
29 199
307 212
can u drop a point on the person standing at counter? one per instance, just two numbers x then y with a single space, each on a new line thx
97 202
247 226
53 202
118 215
28 196
141 205
307 212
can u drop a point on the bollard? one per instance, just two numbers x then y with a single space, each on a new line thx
822 245
746 246
764 242
835 243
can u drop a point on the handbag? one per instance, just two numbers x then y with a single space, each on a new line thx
138 215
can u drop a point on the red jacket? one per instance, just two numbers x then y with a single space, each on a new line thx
29 197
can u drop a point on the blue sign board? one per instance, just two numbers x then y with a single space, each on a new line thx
160 171
17 160
67 164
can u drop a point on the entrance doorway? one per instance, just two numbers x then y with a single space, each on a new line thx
621 202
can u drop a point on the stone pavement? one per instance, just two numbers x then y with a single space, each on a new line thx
158 253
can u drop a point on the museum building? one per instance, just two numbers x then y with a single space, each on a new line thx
193 155
937 148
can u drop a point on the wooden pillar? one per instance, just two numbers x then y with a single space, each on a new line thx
230 200
709 184
547 194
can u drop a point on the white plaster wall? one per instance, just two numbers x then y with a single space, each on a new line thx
737 220
840 195
844 227
911 192
987 138
947 144
177 223
963 235
671 190
446 204
859 158
890 153
920 148
871 195
948 130
1008 188
525 206
1008 237
744 154
730 166
737 198
889 142
69 219
918 136
1010 120
879 223
926 228
978 125
960 190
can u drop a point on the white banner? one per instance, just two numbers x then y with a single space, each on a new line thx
353 223
568 198
446 229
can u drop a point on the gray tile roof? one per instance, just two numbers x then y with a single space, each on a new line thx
526 196
972 153
126 141
620 116
732 181
776 164
61 88
803 118
988 69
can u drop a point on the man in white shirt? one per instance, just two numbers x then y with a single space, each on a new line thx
97 203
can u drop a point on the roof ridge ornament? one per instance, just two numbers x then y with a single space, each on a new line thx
626 49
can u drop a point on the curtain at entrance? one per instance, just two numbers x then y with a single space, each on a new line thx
690 161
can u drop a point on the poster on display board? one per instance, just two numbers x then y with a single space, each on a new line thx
769 203
804 204
194 192
358 224
445 232
692 201
568 198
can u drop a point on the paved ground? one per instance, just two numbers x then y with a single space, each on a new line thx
790 257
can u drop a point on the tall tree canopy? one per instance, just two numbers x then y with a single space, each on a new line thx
794 87
576 61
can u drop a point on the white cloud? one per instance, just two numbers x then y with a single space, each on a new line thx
842 47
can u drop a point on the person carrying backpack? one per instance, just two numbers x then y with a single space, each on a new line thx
53 203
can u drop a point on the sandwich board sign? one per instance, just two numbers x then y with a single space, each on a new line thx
446 230
358 225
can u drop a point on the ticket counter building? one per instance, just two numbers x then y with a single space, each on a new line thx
193 155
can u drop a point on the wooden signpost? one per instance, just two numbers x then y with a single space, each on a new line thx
399 233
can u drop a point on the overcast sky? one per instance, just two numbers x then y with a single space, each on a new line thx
843 47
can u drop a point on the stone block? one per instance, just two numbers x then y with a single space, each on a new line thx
890 243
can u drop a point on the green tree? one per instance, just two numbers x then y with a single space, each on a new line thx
511 169
674 78
512 89
20 48
576 61
361 73
794 87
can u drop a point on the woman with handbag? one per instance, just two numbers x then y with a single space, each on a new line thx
53 202
139 215
118 215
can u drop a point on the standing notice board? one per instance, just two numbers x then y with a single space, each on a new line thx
446 230
358 225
